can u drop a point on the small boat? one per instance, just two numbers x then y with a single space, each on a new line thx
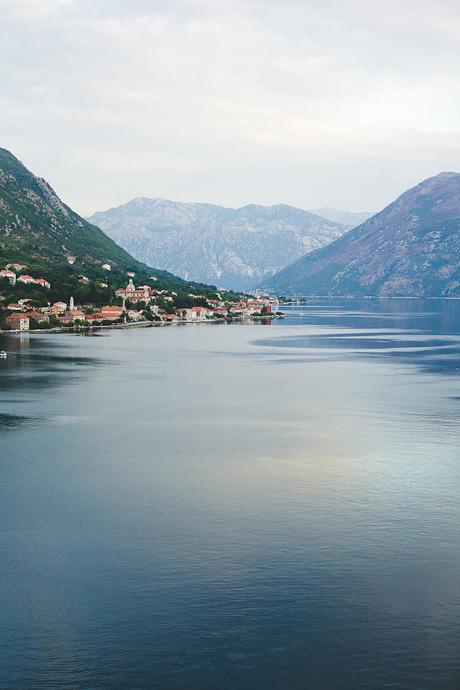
3 354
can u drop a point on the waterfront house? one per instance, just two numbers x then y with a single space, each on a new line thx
187 314
38 316
195 314
65 319
220 311
201 313
135 315
111 310
92 318
18 322
76 314
59 307
109 313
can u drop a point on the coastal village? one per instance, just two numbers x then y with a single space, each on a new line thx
141 305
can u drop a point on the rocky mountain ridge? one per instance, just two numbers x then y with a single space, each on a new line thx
349 218
233 248
410 249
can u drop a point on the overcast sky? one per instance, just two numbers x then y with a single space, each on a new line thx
306 102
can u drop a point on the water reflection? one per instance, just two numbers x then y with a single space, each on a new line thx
234 507
436 355
12 421
34 365
421 333
435 316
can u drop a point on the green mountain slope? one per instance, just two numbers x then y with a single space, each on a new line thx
39 230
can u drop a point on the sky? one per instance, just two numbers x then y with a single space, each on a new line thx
304 102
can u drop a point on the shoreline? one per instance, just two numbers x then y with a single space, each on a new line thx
140 324
357 297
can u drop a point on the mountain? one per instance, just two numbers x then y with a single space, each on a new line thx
349 218
411 248
234 248
39 230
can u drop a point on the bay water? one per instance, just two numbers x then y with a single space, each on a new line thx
234 507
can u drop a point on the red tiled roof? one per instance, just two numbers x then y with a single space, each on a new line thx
36 315
105 316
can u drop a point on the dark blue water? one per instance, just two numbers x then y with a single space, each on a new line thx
234 507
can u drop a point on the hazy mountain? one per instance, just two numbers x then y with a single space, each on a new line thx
39 230
234 248
350 218
411 248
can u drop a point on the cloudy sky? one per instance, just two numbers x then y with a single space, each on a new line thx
307 102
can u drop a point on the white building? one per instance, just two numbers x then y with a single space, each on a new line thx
10 275
27 280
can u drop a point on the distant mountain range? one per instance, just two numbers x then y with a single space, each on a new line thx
37 229
233 248
411 248
349 218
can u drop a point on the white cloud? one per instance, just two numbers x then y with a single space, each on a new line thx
25 11
312 103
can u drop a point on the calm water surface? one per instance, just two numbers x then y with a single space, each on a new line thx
234 507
